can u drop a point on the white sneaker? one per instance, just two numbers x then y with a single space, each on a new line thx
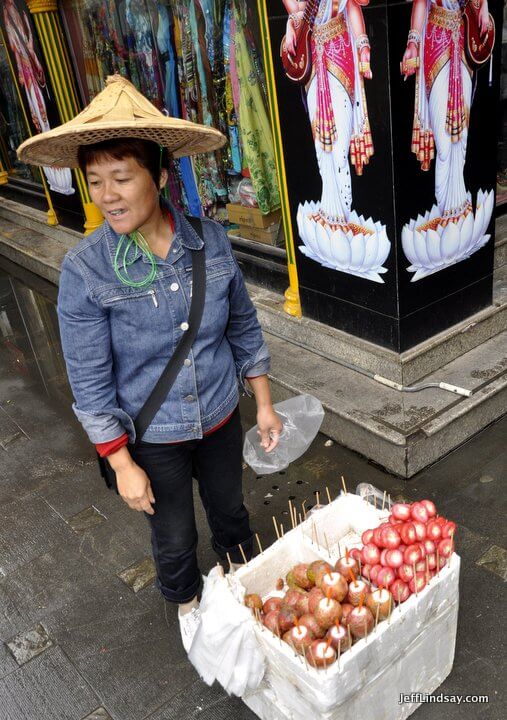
188 626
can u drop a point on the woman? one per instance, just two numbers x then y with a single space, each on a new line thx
123 306
435 54
339 119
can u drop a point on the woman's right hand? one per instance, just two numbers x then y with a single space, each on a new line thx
290 37
409 62
135 488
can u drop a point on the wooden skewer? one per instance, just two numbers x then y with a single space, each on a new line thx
303 508
243 553
231 569
452 549
317 497
313 532
300 518
350 635
317 537
327 545
306 661
291 515
295 515
339 549
276 528
415 580
295 652
259 543
281 530
376 615
328 494
384 499
344 486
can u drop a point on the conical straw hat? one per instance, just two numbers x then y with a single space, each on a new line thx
118 111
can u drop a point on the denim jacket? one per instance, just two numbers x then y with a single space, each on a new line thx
117 339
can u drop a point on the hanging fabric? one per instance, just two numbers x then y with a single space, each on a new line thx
256 134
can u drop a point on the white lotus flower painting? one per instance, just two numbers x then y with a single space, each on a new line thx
432 243
358 246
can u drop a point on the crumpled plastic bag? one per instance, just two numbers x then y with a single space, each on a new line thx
225 647
302 417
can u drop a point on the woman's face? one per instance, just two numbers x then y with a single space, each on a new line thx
124 192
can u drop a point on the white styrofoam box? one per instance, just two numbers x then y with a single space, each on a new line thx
411 652
341 524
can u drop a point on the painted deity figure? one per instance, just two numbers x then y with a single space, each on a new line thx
31 77
435 54
332 232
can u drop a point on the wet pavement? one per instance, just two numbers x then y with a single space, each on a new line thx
84 634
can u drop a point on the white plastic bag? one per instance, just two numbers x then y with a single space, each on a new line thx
302 417
225 647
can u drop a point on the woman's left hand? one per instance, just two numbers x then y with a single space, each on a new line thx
270 427
364 59
483 18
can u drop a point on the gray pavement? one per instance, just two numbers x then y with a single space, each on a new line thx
84 634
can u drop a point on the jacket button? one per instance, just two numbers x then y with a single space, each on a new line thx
187 362
189 398
184 326
174 287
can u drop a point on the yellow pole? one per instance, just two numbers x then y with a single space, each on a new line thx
51 214
292 304
54 49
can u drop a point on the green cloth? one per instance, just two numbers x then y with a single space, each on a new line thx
256 135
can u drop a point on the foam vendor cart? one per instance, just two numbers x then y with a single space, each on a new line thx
410 652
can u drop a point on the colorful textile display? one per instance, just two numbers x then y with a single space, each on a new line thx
257 139
194 59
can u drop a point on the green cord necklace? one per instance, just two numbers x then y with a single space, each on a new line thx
125 244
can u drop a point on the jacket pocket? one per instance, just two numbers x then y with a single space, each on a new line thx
128 295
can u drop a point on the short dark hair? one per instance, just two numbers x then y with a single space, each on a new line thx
145 152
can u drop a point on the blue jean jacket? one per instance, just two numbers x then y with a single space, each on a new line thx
117 339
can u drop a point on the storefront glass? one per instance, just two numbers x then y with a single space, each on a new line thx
13 130
110 37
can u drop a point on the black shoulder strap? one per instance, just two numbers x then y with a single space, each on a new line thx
166 380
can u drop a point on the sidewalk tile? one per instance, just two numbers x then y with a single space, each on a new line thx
99 714
29 644
205 703
86 519
140 575
47 688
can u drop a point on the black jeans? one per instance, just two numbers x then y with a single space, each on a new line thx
215 462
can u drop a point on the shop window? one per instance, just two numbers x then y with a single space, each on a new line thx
107 37
13 127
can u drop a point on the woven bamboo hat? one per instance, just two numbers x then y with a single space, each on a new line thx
118 111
